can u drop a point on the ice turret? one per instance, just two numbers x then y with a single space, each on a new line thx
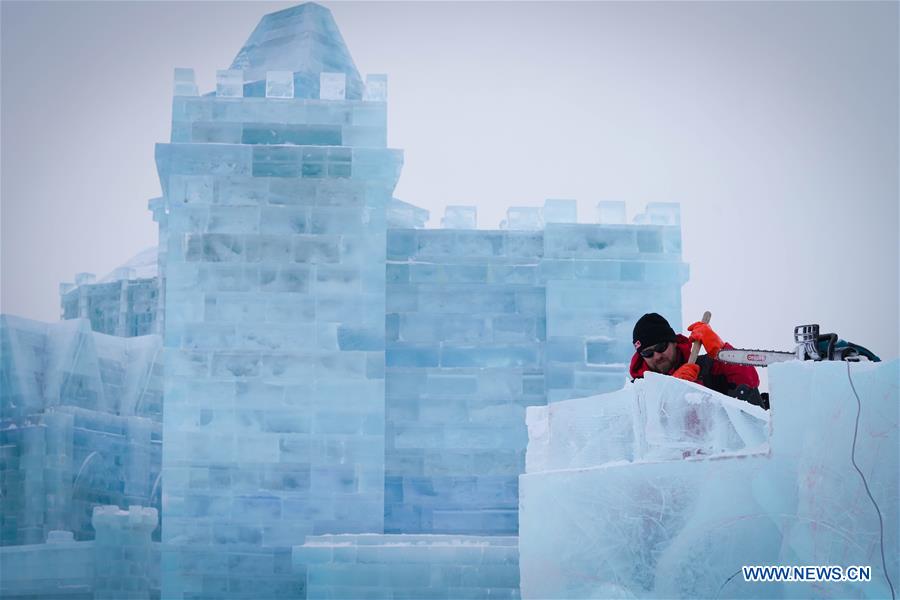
304 40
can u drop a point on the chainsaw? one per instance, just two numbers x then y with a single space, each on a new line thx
811 345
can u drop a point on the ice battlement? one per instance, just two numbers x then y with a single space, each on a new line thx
282 114
136 519
236 83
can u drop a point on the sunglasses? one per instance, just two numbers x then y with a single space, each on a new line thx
660 347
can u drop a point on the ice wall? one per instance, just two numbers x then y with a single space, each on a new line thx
465 325
599 280
481 324
602 519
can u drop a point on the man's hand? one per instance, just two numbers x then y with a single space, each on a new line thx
703 333
687 372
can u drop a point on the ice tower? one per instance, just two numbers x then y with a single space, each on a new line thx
272 236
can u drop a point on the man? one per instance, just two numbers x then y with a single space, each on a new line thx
659 349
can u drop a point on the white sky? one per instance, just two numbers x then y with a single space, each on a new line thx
775 125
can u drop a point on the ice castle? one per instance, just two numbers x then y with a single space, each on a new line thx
305 393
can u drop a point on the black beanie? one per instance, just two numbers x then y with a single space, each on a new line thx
651 329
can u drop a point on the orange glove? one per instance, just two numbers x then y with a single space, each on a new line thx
687 372
703 333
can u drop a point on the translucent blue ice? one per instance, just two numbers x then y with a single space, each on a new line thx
665 489
409 566
560 211
523 217
660 213
279 84
333 86
185 84
229 83
611 212
460 217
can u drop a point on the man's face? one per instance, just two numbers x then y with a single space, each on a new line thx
662 362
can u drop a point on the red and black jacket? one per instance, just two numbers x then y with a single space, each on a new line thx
714 374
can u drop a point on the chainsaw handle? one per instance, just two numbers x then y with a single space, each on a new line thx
695 347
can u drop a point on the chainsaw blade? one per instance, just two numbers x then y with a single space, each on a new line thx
755 358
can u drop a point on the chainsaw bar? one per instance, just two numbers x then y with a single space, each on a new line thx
755 358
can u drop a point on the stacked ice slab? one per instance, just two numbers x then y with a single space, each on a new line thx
403 215
410 566
685 496
465 324
273 228
80 425
125 303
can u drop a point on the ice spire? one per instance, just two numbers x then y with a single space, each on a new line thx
303 39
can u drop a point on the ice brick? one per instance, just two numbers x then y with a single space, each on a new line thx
611 212
229 83
185 84
460 217
523 217
376 88
660 213
332 86
279 84
560 211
